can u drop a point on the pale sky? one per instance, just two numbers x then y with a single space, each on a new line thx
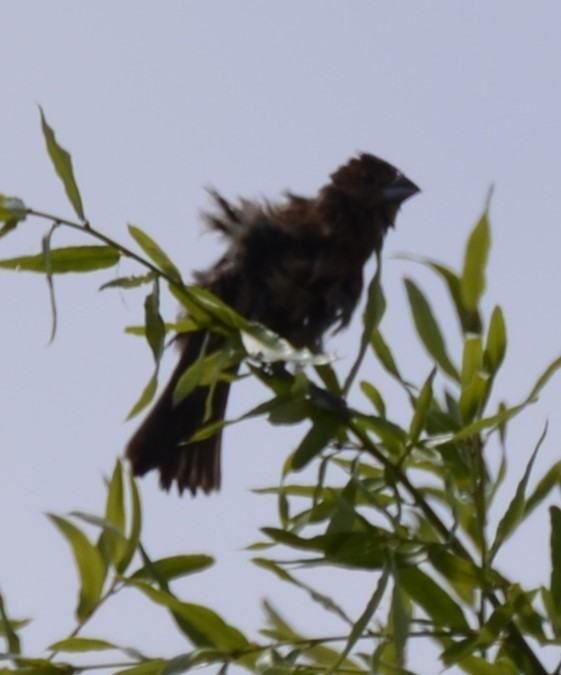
155 101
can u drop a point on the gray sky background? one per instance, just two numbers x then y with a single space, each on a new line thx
156 101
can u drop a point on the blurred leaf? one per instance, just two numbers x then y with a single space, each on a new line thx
479 425
472 359
383 352
517 508
374 396
550 480
432 598
155 328
200 624
90 566
135 525
555 545
428 329
362 622
80 644
422 407
472 282
323 600
64 260
155 253
145 398
496 342
473 397
7 627
151 667
461 574
113 544
63 166
373 313
174 567
324 429
470 320
544 378
129 282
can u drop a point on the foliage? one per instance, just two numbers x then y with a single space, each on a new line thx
409 503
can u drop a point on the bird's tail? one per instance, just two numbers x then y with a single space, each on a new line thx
162 440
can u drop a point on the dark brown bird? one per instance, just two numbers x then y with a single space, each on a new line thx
295 267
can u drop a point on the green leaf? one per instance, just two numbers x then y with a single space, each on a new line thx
129 282
359 627
422 407
517 508
384 354
174 567
80 644
89 562
152 667
200 624
437 604
155 253
428 329
64 260
495 349
324 428
135 525
374 396
470 321
548 482
8 629
472 282
155 327
145 398
555 545
373 313
544 378
63 166
112 542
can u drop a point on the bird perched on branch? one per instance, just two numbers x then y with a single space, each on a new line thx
295 267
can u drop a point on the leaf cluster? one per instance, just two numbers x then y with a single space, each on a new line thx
412 503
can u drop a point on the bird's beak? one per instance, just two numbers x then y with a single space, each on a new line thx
400 189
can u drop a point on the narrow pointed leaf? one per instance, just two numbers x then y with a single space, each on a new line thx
373 313
472 282
555 552
201 625
422 407
89 562
174 567
517 508
80 644
428 329
129 282
155 253
64 260
496 341
145 398
315 441
433 599
155 327
63 166
364 619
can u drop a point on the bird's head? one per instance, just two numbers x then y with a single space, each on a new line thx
373 183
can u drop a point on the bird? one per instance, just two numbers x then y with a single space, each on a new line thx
295 266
